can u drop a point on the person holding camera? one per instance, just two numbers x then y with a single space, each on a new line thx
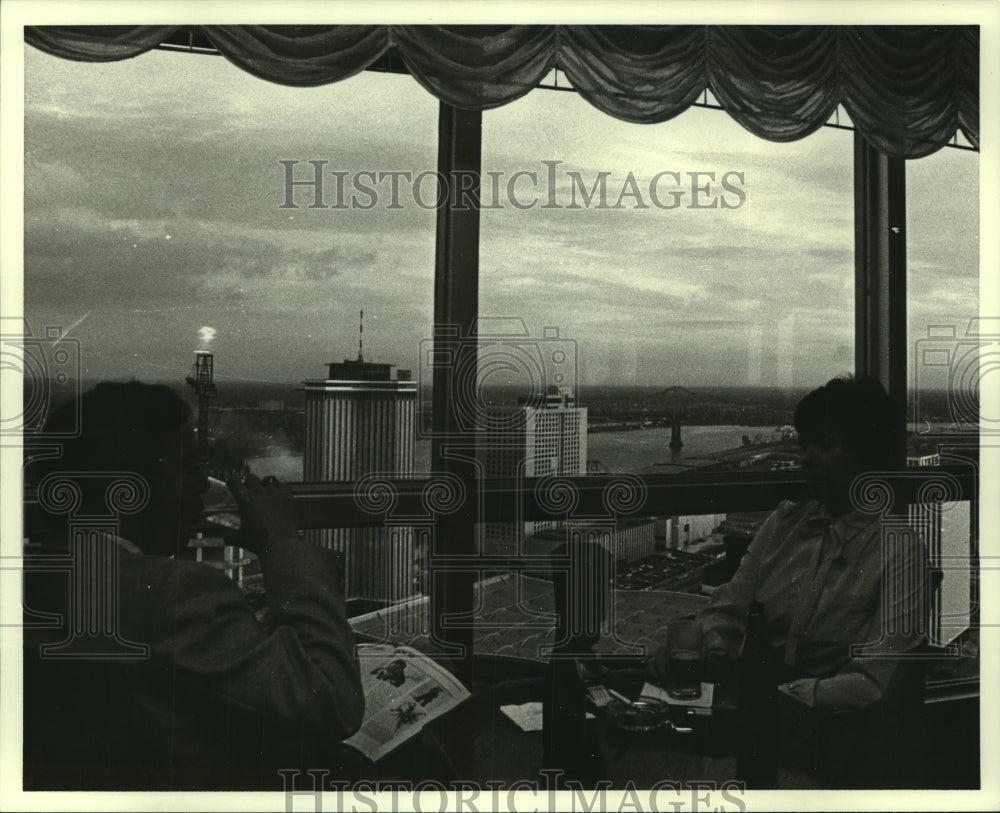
192 692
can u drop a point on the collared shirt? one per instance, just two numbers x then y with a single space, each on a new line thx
835 592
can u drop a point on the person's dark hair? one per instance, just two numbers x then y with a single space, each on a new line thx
124 426
859 412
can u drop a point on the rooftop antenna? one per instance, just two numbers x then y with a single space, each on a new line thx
202 381
361 337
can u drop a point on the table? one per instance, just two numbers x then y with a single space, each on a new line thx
478 743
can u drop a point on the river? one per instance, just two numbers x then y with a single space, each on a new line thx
617 451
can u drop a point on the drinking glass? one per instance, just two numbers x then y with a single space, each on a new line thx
684 659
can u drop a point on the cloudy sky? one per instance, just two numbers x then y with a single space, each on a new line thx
153 195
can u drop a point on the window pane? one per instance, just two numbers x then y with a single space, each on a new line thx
160 221
942 209
942 212
704 277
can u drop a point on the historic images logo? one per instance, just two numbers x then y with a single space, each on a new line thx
544 187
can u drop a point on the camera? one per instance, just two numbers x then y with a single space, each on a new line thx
949 371
49 366
499 352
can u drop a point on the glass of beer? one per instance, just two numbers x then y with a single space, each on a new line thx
684 659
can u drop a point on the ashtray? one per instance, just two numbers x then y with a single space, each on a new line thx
645 714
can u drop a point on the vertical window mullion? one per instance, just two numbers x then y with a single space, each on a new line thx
880 275
456 305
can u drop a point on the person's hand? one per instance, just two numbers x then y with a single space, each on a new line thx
801 691
267 512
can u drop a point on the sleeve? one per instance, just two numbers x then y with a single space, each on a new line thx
304 673
724 619
875 669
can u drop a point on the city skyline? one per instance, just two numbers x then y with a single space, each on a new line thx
184 202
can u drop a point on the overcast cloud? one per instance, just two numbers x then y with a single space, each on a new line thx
153 194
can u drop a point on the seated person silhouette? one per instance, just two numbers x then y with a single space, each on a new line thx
828 586
187 691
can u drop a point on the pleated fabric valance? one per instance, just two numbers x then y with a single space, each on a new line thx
907 89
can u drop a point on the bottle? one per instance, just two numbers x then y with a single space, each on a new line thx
564 713
757 727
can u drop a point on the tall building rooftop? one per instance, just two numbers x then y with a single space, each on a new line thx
554 398
360 370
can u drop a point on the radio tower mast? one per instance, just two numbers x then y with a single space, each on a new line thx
361 336
202 382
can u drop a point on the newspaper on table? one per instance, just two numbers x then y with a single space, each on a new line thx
403 690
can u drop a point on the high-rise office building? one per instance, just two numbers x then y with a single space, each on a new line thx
360 420
532 441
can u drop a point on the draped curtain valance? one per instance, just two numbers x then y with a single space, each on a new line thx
907 89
